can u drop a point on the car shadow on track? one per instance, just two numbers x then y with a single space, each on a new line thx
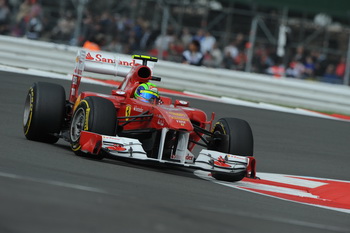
154 167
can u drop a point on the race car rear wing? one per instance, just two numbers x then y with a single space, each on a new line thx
109 64
103 63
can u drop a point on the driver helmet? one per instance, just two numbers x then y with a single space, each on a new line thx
147 92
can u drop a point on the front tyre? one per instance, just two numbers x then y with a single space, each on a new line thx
232 136
44 112
93 114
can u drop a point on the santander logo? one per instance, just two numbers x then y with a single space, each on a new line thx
99 58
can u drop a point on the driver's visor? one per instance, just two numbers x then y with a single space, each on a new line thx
151 96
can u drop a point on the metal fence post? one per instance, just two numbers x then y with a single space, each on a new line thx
252 37
77 30
347 69
164 28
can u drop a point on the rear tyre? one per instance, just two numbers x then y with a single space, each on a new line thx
232 136
44 112
93 114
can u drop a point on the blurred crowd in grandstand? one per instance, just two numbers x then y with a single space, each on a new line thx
118 33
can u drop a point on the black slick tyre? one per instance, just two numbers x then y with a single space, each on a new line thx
44 112
93 114
232 136
235 137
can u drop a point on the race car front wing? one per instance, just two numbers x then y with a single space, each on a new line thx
130 148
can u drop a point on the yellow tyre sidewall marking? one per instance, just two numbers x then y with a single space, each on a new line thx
76 148
87 115
86 123
222 127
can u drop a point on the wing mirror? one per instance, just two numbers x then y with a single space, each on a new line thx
119 93
182 103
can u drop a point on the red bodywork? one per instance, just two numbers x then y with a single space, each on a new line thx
174 116
165 129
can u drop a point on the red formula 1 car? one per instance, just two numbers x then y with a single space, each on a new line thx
120 126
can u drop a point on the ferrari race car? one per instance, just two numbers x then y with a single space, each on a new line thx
117 125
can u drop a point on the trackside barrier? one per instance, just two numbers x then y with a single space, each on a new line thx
24 53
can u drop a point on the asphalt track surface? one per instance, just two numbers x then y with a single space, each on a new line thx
46 188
